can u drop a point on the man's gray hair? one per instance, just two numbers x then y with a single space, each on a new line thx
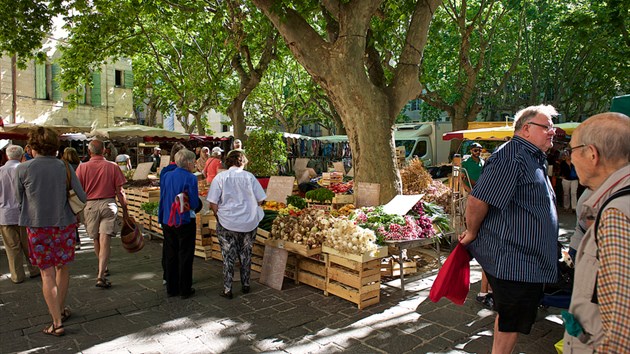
96 147
609 133
526 114
184 157
15 152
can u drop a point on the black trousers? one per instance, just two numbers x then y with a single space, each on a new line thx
179 251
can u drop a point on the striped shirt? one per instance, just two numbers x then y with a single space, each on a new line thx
517 240
613 281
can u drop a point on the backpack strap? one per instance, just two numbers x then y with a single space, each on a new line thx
623 191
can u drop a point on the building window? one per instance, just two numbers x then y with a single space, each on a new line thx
119 78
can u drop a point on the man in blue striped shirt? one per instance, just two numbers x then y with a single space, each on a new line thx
512 225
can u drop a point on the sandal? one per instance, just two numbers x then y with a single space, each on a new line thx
106 273
54 331
65 314
103 283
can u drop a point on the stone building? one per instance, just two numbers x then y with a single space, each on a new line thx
33 95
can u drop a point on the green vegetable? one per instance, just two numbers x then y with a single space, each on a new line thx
321 195
267 221
150 208
297 201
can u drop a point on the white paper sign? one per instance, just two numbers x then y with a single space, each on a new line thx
142 171
401 204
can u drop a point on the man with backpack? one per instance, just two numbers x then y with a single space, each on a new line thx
598 316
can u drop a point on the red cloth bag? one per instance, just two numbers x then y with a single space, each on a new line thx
453 280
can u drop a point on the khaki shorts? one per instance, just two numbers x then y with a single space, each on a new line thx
100 217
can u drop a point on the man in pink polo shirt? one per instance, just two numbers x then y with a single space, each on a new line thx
102 181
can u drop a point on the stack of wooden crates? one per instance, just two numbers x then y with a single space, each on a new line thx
206 233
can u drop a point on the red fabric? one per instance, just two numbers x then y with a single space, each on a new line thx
177 209
453 280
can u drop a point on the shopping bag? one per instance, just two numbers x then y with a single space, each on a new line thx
131 236
453 280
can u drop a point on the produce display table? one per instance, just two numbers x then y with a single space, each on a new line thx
401 245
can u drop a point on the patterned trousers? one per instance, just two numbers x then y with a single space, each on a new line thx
235 244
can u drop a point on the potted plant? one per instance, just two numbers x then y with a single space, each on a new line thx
266 151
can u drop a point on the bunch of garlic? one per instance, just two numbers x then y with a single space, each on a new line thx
306 229
346 236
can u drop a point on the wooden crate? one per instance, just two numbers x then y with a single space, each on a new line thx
205 224
312 271
296 248
357 282
262 235
329 178
216 249
204 252
391 268
203 241
380 252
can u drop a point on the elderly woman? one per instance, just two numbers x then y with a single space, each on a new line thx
213 165
49 220
179 227
235 197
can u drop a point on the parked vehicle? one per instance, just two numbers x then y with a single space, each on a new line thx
424 140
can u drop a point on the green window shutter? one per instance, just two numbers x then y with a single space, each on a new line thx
128 79
96 89
40 81
81 93
56 89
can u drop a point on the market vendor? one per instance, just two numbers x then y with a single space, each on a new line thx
123 160
235 197
473 166
155 158
204 155
213 165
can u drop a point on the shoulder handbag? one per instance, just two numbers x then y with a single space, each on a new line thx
75 203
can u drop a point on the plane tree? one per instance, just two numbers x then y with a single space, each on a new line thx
366 56
189 57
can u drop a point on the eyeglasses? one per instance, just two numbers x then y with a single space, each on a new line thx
475 150
570 149
547 128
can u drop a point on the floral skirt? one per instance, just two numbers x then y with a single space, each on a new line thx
51 246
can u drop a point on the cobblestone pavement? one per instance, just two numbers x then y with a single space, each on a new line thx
135 315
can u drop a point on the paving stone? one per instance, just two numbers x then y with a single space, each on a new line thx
392 343
137 316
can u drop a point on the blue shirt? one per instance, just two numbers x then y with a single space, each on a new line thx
518 238
171 184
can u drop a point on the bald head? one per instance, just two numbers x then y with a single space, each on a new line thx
96 147
609 133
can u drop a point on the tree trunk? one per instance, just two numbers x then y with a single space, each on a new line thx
373 162
235 112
